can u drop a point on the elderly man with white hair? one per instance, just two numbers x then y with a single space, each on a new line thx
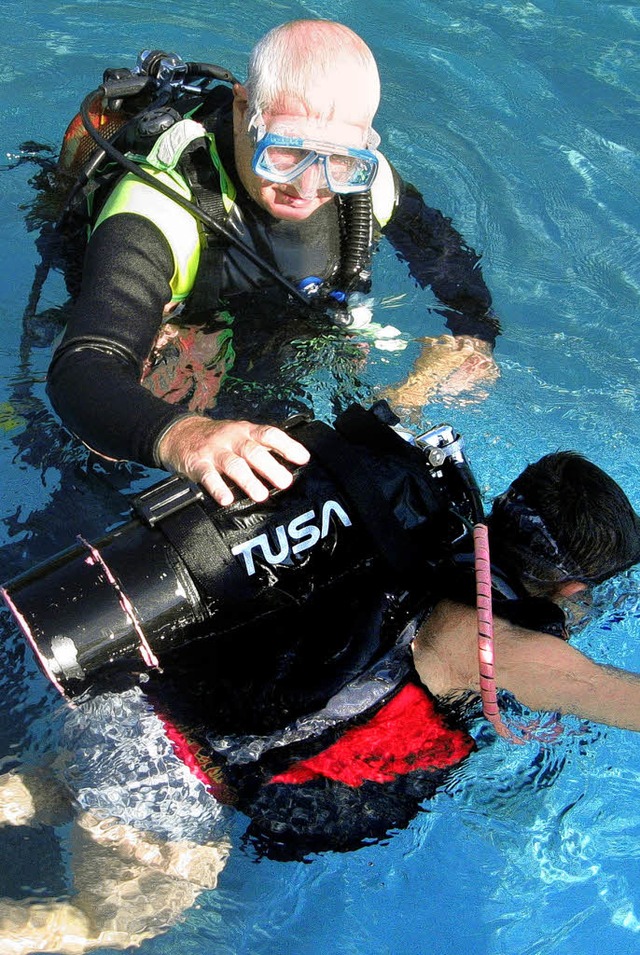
290 160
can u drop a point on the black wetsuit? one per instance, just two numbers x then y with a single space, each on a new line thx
94 379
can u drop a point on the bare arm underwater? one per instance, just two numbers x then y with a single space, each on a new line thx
447 368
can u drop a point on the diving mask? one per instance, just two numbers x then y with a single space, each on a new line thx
283 159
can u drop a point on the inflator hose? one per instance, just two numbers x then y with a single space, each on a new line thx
541 733
486 655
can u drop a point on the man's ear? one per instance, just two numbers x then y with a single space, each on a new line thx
240 98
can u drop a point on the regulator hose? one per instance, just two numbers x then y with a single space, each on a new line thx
358 236
486 653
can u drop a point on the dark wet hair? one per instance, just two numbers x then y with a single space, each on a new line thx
564 519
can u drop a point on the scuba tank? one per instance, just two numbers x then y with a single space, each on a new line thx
126 113
184 569
125 98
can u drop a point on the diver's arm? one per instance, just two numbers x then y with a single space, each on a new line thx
545 673
438 257
198 863
448 366
129 886
94 378
542 671
34 796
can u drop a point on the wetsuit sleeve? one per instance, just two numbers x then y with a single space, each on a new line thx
438 257
94 377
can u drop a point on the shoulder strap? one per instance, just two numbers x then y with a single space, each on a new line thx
204 181
175 508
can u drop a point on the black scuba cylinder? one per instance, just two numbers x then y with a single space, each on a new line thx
184 569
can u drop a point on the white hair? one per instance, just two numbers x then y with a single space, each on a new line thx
319 62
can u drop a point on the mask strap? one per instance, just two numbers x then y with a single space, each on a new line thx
256 129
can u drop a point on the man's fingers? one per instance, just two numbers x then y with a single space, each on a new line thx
252 463
250 456
215 486
263 462
249 460
244 471
283 443
242 475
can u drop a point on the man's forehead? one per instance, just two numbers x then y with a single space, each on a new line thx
322 105
291 116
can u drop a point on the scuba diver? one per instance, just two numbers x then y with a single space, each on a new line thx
315 660
207 206
330 703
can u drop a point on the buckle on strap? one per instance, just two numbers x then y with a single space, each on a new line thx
167 498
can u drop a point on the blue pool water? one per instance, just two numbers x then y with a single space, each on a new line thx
519 120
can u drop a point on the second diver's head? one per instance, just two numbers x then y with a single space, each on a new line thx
562 525
303 120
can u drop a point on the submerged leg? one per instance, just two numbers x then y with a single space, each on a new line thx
33 796
130 885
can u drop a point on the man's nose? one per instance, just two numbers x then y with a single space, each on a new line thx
311 181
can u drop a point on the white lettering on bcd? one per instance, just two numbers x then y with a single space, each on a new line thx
299 535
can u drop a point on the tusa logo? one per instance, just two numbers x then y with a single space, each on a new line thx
301 529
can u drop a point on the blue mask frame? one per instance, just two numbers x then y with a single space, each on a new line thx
364 172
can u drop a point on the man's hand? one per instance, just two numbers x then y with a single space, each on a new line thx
208 451
448 367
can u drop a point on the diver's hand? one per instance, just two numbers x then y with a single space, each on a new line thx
208 451
33 796
448 367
